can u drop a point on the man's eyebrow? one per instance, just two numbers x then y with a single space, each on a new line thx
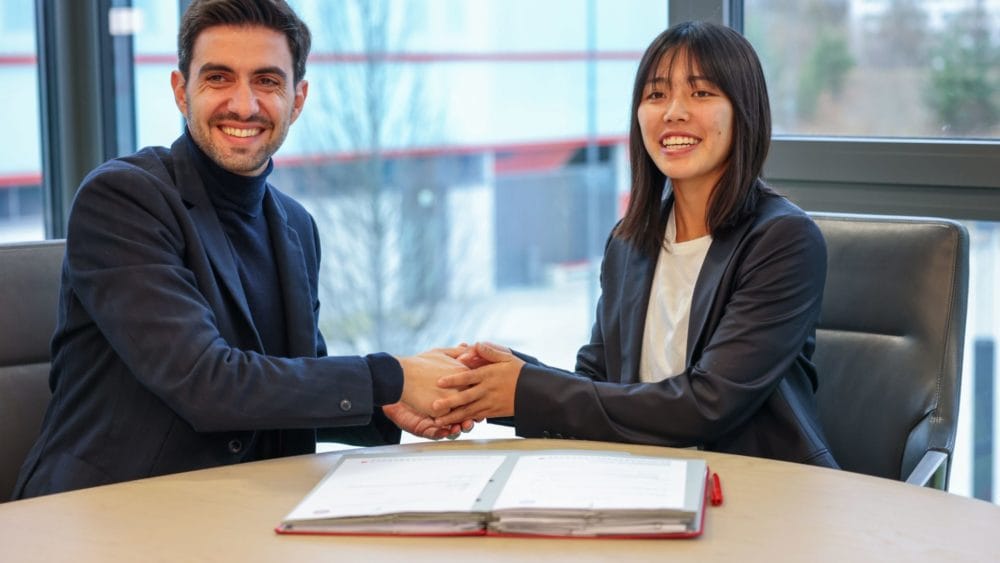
272 70
213 67
216 67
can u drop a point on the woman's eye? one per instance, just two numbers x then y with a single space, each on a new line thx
654 95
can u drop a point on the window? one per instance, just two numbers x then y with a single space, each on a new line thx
465 161
21 215
885 68
157 122
423 145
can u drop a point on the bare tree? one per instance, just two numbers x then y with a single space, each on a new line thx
387 224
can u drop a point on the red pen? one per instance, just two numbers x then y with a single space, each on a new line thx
716 495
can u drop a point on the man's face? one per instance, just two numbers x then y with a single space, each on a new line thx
239 100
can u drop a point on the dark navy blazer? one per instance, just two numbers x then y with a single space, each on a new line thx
157 366
749 383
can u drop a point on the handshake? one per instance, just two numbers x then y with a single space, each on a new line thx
447 390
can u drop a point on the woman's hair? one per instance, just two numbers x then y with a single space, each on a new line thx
727 59
272 14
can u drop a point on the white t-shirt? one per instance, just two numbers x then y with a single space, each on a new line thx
664 339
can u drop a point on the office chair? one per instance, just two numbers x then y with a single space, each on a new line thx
889 343
29 292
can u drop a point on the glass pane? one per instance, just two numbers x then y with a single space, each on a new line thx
21 215
157 120
975 470
892 68
465 162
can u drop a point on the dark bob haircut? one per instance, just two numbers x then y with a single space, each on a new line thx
272 14
727 59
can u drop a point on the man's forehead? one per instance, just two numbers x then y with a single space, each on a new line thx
233 45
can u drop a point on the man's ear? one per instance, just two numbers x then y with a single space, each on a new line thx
301 91
177 84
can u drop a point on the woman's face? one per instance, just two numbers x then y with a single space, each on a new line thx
686 123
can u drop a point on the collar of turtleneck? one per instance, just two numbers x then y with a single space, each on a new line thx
229 191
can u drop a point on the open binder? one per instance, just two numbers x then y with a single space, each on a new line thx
547 493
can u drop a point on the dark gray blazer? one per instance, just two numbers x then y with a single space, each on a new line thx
748 388
156 361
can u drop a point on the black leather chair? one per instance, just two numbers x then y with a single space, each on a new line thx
889 343
29 292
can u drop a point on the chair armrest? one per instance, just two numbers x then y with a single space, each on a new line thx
933 463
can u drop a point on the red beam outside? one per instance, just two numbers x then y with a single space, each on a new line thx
412 58
35 178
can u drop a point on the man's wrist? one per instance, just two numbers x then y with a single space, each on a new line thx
387 378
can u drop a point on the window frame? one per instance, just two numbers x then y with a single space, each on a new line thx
80 120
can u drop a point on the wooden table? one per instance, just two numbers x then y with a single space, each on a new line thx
773 511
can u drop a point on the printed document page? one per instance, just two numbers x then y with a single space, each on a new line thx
595 495
373 485
595 482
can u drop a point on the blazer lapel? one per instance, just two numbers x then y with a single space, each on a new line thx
220 254
637 281
635 302
720 254
300 324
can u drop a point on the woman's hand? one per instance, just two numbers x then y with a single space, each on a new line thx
486 391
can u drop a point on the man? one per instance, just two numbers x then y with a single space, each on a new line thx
187 331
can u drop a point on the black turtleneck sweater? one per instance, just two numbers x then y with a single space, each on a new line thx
239 204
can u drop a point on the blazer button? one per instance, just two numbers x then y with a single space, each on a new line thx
345 405
235 446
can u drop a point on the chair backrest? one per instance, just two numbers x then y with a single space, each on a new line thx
890 338
29 293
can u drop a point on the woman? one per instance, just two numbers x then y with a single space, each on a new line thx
710 295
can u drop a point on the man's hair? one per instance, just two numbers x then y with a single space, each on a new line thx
728 60
272 14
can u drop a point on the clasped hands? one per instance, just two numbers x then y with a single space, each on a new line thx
447 390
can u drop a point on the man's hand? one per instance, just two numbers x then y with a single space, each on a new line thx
486 391
422 425
420 379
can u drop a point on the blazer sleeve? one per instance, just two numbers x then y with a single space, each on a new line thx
591 361
768 314
130 251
